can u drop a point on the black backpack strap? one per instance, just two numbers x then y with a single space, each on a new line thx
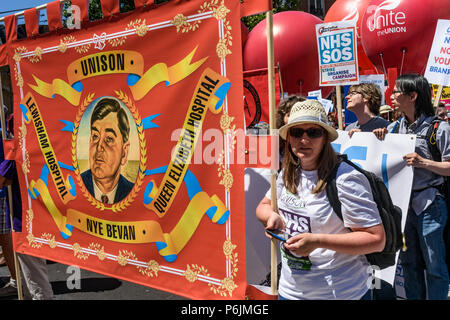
331 188
432 141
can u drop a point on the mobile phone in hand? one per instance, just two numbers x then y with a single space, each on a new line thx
279 234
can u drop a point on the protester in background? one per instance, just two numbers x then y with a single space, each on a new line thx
36 283
10 288
364 101
323 259
396 115
284 108
332 120
441 112
427 213
386 112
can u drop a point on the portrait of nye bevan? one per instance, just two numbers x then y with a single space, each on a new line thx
108 150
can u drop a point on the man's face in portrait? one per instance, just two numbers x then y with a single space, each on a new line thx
107 151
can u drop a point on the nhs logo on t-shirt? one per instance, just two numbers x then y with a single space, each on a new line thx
296 223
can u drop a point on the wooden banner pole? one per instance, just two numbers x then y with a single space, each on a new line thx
280 80
339 107
273 132
437 97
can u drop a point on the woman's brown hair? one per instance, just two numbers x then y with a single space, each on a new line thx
292 167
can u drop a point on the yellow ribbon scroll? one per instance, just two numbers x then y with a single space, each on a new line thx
59 87
161 72
124 232
109 62
31 113
169 244
209 94
40 188
115 62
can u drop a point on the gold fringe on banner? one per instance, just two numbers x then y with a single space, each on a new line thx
33 113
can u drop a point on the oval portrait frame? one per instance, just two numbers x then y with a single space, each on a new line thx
124 203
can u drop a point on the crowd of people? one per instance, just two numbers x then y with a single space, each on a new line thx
324 257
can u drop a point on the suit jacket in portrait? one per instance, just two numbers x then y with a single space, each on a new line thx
123 186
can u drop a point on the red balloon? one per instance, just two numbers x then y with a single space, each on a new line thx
244 34
295 49
353 10
399 33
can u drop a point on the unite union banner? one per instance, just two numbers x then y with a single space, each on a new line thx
107 120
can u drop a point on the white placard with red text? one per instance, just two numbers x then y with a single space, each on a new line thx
438 66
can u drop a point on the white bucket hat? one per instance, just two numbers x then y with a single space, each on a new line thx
385 109
308 111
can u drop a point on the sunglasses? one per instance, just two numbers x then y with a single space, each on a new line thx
312 133
352 93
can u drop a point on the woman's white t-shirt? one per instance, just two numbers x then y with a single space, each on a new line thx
333 275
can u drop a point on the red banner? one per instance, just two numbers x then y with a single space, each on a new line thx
256 96
109 122
250 7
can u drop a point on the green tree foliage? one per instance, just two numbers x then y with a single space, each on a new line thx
95 11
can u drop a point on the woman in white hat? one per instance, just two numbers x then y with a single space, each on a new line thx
323 258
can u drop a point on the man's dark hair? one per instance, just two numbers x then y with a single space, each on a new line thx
409 83
107 105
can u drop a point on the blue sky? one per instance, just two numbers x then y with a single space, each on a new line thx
7 5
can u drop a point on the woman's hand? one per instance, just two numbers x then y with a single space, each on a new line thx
360 241
303 244
269 218
275 221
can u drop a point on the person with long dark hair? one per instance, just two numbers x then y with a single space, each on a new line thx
427 212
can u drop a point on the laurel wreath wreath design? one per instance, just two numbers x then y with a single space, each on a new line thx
122 205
